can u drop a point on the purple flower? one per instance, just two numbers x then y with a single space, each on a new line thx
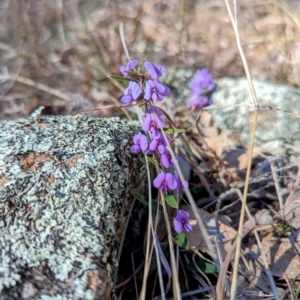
140 143
156 91
132 93
199 101
156 112
152 121
151 109
167 160
124 69
165 182
180 185
202 82
155 134
159 144
181 221
153 71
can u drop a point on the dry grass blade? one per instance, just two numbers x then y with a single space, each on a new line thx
41 87
241 52
292 294
148 252
243 208
247 227
242 215
175 280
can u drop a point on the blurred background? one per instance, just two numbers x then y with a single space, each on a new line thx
58 53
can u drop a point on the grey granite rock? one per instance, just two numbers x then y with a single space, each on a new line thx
65 189
278 127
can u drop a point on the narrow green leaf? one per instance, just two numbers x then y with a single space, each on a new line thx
181 240
140 198
121 78
205 267
171 201
151 159
155 204
173 130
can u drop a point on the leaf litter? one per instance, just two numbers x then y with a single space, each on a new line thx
223 161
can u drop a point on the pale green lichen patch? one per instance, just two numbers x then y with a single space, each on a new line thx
278 126
64 187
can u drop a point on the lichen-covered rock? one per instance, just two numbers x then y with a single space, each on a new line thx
278 128
65 189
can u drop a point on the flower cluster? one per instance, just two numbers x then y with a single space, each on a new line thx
145 86
202 87
181 221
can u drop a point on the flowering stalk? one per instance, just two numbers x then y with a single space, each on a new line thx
202 87
146 86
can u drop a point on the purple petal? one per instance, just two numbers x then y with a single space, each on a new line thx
202 81
180 185
146 126
153 71
153 145
152 121
132 64
155 110
182 214
144 143
161 148
124 69
135 89
127 99
198 101
160 87
161 69
136 149
167 91
154 97
148 93
158 121
165 161
178 227
155 133
158 182
137 137
188 227
171 181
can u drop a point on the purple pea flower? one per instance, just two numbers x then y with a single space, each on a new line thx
152 121
124 69
153 71
199 101
180 185
155 134
202 82
159 144
181 221
167 160
156 112
165 182
140 143
132 93
156 91
151 109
